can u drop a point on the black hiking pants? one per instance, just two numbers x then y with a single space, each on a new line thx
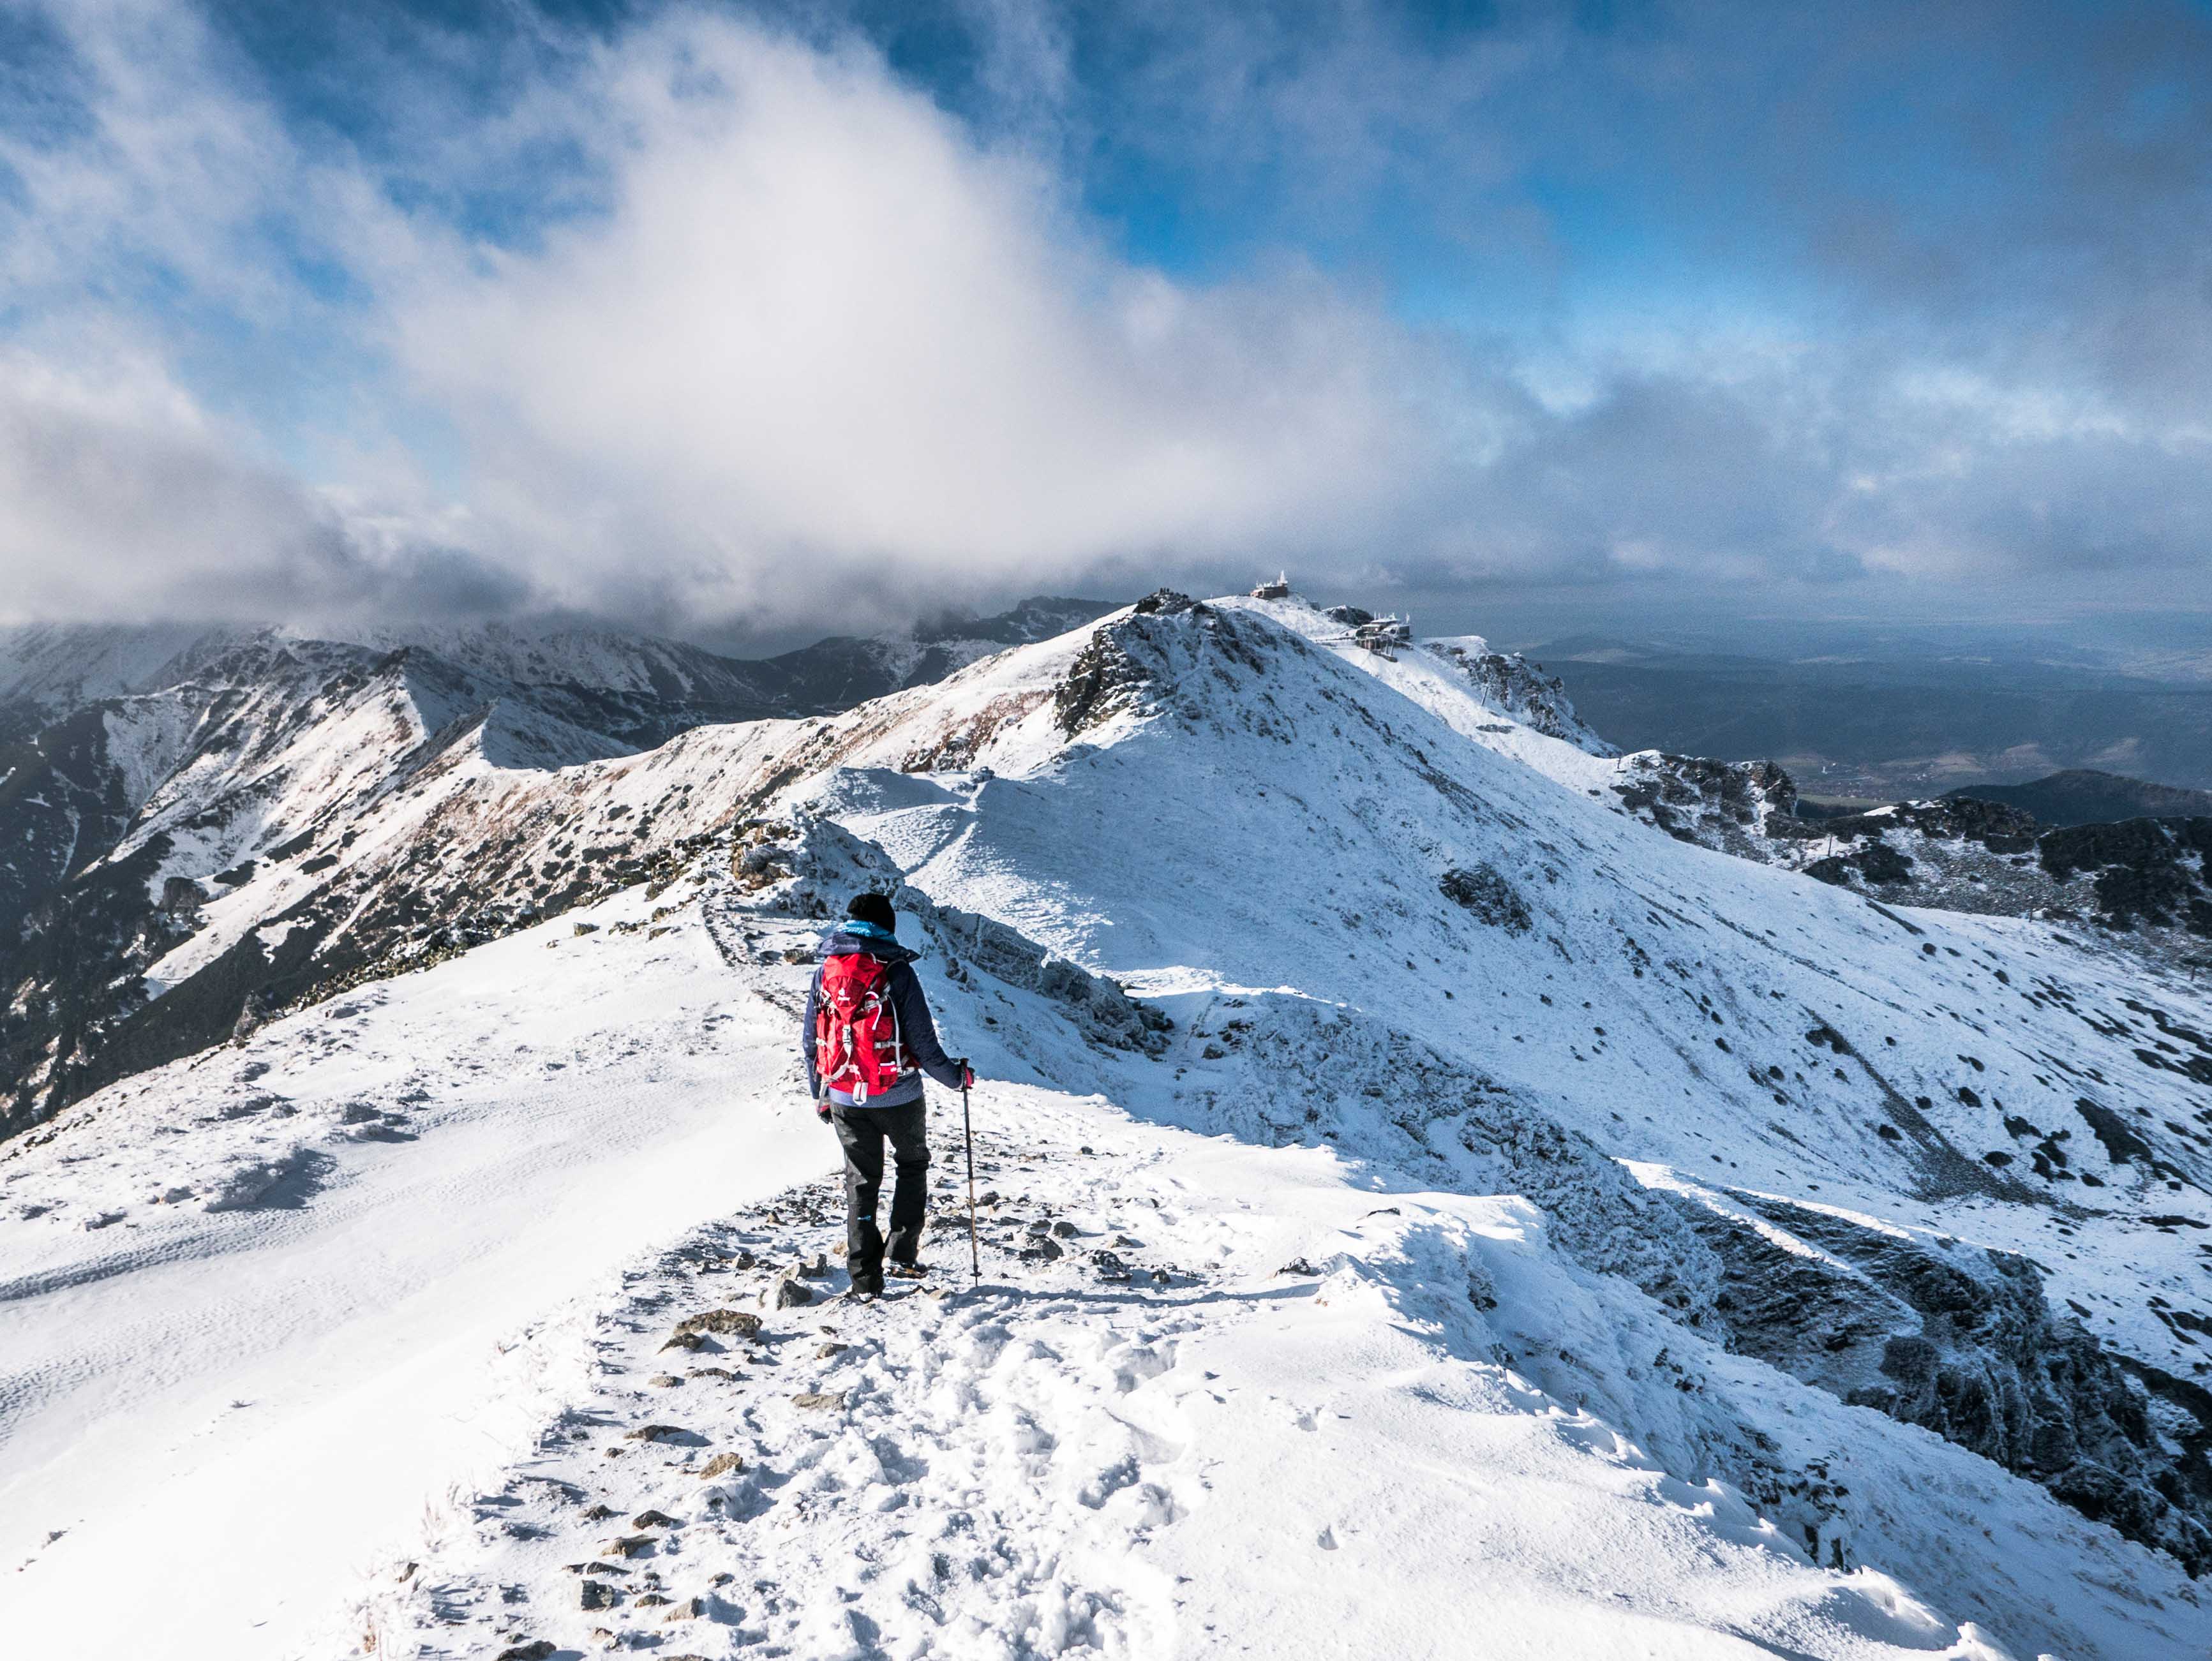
862 1131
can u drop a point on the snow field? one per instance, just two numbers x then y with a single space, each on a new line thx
209 1417
1237 1460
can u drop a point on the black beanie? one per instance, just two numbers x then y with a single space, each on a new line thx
874 908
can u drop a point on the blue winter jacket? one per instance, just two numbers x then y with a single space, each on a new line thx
908 1002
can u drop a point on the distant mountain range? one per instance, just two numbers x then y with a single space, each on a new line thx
640 689
1883 724
2082 795
148 775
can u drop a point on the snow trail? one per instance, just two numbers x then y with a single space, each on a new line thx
1193 1454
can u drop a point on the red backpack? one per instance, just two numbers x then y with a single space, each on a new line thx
858 1046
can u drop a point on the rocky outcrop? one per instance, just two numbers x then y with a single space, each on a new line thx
1170 653
1511 684
2148 869
1488 896
1961 1342
2143 878
1729 805
1999 829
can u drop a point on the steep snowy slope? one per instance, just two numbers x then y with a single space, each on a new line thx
1347 907
50 670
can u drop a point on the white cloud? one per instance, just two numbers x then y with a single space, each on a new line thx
118 496
759 335
121 498
821 336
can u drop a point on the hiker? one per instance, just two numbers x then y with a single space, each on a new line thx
868 1038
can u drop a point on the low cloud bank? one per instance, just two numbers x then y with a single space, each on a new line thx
708 325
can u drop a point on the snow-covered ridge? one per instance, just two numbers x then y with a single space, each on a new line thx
1797 1180
136 829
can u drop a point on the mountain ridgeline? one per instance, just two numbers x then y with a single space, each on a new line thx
156 780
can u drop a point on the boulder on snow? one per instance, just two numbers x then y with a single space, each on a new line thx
820 1399
722 1464
722 1322
789 1294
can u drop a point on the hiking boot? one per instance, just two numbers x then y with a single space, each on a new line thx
906 1271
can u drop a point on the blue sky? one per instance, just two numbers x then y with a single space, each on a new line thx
672 312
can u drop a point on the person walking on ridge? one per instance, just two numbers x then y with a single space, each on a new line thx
868 1038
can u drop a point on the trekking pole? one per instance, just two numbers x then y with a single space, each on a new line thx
968 1136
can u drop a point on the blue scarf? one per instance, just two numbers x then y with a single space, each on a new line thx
867 930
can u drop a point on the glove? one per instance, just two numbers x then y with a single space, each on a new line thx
967 1074
822 1111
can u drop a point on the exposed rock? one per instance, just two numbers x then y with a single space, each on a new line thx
1101 682
1962 1342
1487 895
721 1322
722 1464
1513 686
536 1650
789 1294
1729 805
1999 829
596 1595
825 1398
